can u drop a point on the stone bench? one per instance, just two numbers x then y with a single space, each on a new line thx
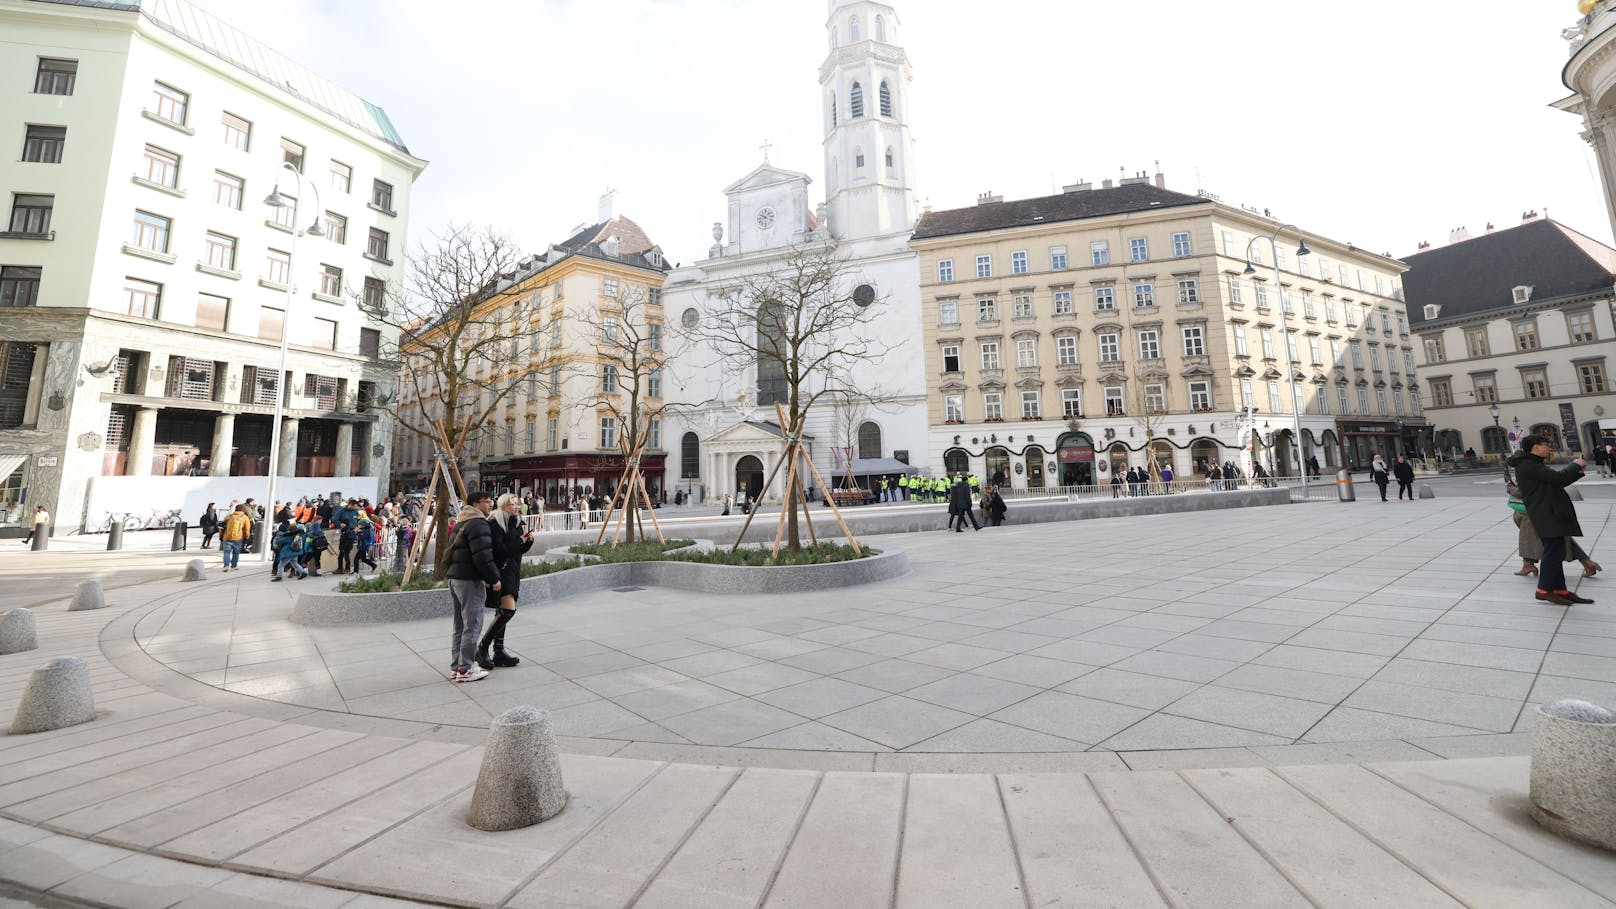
1574 771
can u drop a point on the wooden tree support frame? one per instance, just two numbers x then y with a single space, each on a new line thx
794 451
447 455
631 492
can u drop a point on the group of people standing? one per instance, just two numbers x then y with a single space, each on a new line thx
1401 470
485 572
358 532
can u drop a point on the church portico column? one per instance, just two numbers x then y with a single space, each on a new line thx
224 434
343 462
142 443
288 453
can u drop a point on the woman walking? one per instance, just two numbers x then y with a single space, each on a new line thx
1530 547
210 525
510 544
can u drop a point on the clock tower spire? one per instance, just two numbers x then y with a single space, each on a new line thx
869 152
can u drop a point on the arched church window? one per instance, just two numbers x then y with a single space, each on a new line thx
690 457
856 102
833 110
853 30
889 156
880 29
858 157
773 351
886 100
869 439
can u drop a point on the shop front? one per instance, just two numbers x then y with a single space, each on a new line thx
556 477
1074 453
1361 440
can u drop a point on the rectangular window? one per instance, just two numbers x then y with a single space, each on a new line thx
1536 382
984 266
608 432
283 214
1057 258
1307 304
212 312
142 298
1352 314
1031 408
1476 342
1526 335
1200 395
1228 243
1274 402
370 342
1110 347
278 267
1189 291
990 355
1063 302
330 280
375 294
1434 352
1385 321
1021 305
227 190
653 383
1374 358
529 435
1155 398
336 227
1397 399
1441 393
1329 310
19 285
237 132
1181 244
552 433
1285 301
1138 250
1486 388
1066 350
1018 262
376 246
1357 354
1150 344
31 214
953 409
948 312
608 287
1580 324
1248 394
1071 402
1240 347
1335 351
608 379
1100 252
653 336
55 76
1341 399
653 433
43 144
341 177
1105 298
945 270
1026 353
292 153
1262 297
987 310
992 405
1194 341
221 250
1234 290
151 232
1267 336
1144 295
1323 399
161 167
169 103
951 358
1113 402
1380 401
325 334
1313 349
381 195
608 329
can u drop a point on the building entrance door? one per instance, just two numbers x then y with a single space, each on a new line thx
749 477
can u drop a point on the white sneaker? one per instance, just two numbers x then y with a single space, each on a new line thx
474 674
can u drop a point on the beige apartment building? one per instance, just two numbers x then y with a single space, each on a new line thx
1071 336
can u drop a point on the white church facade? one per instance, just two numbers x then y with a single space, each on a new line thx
724 436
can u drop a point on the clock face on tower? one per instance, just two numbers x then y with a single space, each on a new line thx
765 217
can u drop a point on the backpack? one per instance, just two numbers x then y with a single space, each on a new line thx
236 527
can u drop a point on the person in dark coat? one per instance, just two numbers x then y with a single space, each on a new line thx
959 506
1380 474
995 507
473 570
210 525
511 541
1404 472
1543 491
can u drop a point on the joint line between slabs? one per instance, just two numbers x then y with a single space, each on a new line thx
897 859
1249 841
690 831
1015 846
1162 889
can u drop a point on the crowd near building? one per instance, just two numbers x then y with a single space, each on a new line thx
145 286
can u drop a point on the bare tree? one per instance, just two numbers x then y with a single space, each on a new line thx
470 332
802 325
1149 415
853 407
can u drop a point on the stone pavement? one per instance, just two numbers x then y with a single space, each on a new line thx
198 788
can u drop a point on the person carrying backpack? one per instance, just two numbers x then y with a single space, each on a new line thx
288 543
237 528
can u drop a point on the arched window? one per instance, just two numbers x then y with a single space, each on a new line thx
832 110
956 460
880 29
772 353
690 457
890 157
858 157
1493 441
886 100
869 440
853 30
855 105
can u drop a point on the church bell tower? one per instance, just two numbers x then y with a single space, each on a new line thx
869 153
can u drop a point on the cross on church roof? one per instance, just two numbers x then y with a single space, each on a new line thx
766 146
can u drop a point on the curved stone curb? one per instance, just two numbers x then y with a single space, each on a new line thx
332 608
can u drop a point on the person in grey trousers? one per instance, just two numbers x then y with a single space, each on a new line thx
473 571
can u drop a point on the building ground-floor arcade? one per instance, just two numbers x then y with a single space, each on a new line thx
554 478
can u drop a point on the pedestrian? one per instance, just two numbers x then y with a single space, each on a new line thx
1542 490
1214 477
1404 472
366 538
959 506
996 507
1116 485
288 544
472 572
729 502
404 538
1313 465
511 541
1530 547
1379 473
39 526
1167 477
314 547
209 523
1601 459
235 534
346 540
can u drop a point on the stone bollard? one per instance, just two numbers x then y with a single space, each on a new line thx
1427 492
519 783
17 631
1574 493
1574 771
195 570
58 695
88 596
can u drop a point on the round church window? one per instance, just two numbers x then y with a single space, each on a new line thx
863 295
690 318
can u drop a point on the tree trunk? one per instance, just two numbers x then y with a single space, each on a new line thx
441 515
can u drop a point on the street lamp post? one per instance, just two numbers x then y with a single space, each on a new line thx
1285 333
276 200
1492 409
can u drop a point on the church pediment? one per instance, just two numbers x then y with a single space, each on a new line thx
764 176
749 433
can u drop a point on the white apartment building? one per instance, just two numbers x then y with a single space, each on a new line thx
145 284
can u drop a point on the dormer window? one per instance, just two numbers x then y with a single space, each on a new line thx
1522 293
1431 310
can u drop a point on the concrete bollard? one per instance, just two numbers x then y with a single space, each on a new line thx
58 695
1343 486
17 631
41 542
115 538
195 570
1574 771
89 595
1427 492
519 783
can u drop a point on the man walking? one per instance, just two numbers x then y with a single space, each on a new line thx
38 525
1543 490
1404 472
959 506
472 571
237 528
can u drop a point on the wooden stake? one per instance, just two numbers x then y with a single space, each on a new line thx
807 516
652 508
416 551
790 503
837 511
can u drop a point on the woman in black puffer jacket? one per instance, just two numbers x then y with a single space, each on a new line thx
511 542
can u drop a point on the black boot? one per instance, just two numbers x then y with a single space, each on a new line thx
482 650
501 658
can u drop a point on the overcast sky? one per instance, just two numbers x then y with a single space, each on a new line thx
1376 122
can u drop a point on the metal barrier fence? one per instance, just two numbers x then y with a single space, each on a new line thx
1303 489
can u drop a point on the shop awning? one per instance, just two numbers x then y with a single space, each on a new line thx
10 463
